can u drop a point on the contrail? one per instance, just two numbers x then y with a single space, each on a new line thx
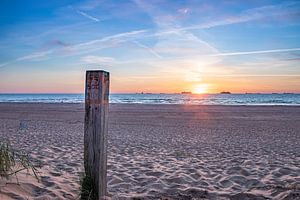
255 52
148 49
88 16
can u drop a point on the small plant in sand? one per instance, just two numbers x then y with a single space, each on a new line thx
14 161
87 192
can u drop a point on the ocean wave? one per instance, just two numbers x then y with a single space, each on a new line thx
209 99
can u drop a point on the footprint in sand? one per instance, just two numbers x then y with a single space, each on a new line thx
226 183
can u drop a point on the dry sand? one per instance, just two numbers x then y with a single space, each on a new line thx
172 151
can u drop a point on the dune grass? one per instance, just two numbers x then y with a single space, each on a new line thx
87 192
14 161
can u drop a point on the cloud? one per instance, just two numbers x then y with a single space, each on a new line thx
256 52
191 76
121 37
5 64
88 16
31 57
35 56
97 59
183 10
91 4
105 42
276 12
180 49
172 39
58 43
188 56
153 52
81 48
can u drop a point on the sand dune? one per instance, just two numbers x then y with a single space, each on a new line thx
171 151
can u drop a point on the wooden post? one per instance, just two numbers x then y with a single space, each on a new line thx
95 129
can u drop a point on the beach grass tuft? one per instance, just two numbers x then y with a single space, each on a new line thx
13 161
87 192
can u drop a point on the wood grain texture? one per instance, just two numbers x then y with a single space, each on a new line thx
95 129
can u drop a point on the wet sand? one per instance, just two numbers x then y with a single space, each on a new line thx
172 151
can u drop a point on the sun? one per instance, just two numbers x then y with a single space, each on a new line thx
200 89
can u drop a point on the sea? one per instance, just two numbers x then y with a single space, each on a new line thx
140 98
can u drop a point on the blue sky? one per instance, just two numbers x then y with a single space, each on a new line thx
152 46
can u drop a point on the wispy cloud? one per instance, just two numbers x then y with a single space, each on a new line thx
183 43
5 64
58 43
104 42
121 37
152 51
91 4
97 59
88 16
275 12
256 52
183 10
183 35
179 48
81 48
35 56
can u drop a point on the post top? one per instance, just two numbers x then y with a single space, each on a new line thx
89 71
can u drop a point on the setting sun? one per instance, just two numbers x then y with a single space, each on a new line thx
200 89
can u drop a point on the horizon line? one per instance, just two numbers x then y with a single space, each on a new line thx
60 93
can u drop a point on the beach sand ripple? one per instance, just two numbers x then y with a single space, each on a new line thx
160 151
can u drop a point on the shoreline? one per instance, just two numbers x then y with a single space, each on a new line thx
157 104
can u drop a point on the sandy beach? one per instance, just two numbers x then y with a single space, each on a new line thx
170 151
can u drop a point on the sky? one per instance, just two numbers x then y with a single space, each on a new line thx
204 46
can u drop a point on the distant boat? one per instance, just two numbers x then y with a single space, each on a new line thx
186 93
252 93
225 93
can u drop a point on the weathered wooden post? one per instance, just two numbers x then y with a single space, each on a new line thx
95 129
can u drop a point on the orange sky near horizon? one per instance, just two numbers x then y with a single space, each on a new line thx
74 83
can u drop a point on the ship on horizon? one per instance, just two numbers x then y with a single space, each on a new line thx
184 92
225 92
